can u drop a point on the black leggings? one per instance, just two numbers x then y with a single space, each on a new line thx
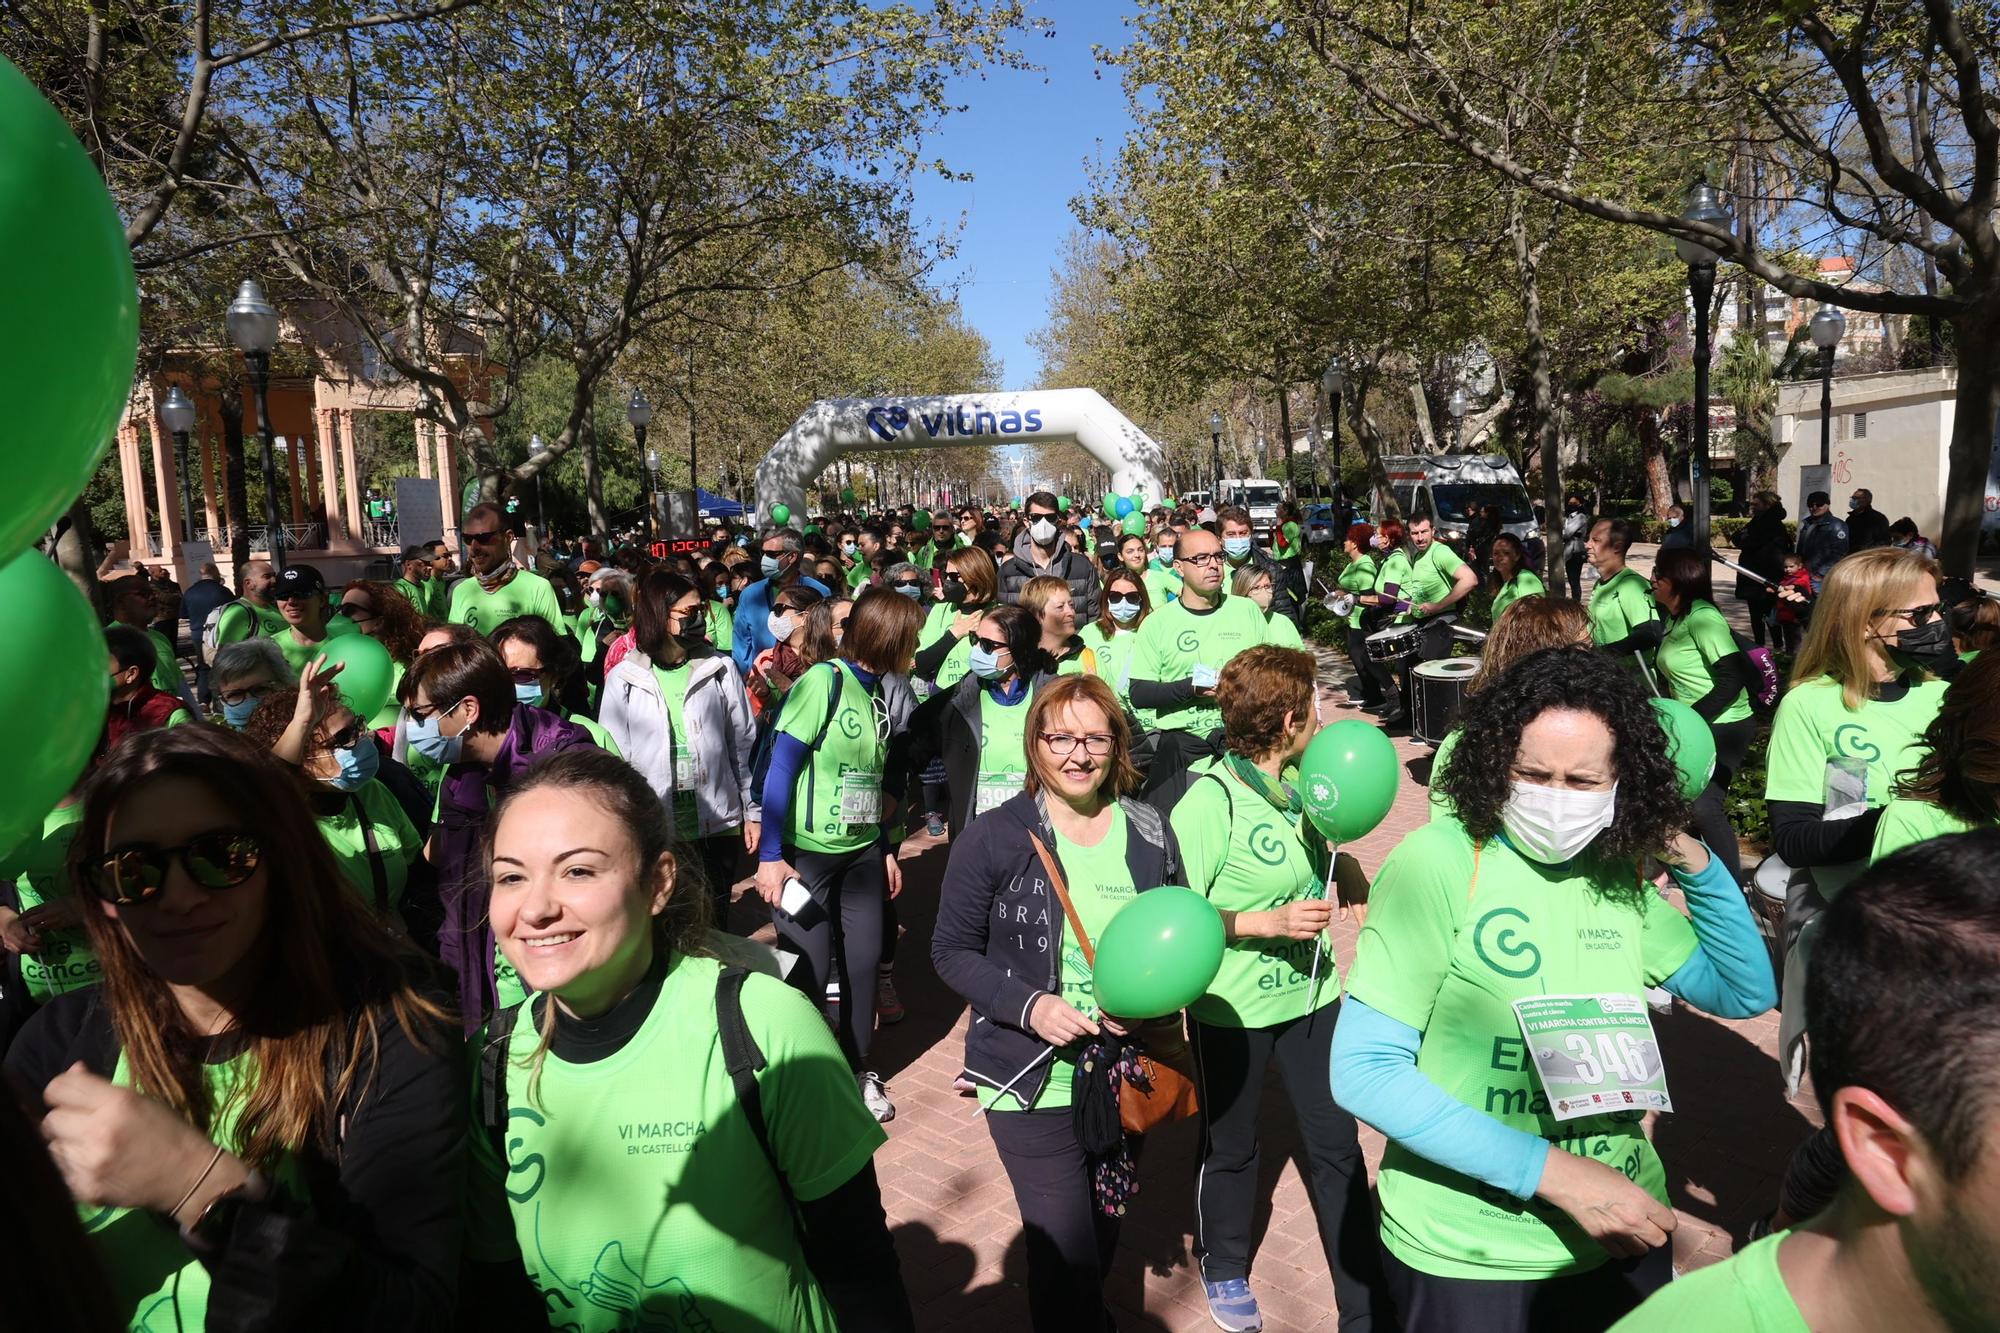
1357 652
1070 1241
720 854
845 944
1580 1303
1711 816
1229 1067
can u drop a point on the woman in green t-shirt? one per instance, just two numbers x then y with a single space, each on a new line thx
826 820
1247 847
1512 579
666 1141
978 728
1357 578
1112 636
385 615
1391 590
1954 786
259 1045
1700 663
1495 1027
1003 942
1255 584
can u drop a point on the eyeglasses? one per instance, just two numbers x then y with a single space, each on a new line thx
1919 615
778 554
247 692
220 859
481 538
347 737
1203 558
420 713
1063 745
356 612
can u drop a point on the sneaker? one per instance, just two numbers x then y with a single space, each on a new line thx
875 1096
1231 1305
934 825
888 1005
964 1086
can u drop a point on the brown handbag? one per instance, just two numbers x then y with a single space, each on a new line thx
1163 1048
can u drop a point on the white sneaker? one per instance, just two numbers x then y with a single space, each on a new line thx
875 1096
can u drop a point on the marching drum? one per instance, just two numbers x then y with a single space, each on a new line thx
1395 645
1436 691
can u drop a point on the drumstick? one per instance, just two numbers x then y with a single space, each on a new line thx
1748 574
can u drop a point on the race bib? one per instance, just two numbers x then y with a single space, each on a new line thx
860 797
1594 1053
687 769
994 790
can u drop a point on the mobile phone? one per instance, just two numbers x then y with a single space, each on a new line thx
798 904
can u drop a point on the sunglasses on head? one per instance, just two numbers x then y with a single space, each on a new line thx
219 859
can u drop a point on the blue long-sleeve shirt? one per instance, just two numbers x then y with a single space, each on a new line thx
789 757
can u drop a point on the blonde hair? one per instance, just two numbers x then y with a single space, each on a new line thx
1528 626
1039 591
1858 593
1246 578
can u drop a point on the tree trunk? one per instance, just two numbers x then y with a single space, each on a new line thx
77 554
1285 438
1541 403
235 492
1659 477
1972 432
593 487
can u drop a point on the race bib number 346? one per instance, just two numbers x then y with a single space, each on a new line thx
1594 1053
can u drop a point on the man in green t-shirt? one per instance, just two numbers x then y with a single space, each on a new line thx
131 601
1437 582
1905 1234
301 598
499 588
1183 648
415 581
1624 618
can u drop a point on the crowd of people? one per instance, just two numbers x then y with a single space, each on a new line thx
448 1014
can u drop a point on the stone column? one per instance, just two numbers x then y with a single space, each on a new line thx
132 481
426 432
350 488
292 476
329 475
166 489
447 478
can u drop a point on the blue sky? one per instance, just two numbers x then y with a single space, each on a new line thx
1026 137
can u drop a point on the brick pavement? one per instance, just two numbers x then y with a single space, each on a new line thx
959 1234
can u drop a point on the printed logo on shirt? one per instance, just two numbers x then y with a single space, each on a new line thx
1188 642
850 724
1266 845
1852 741
644 1138
532 1164
1506 944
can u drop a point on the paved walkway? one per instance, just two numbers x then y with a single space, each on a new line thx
959 1234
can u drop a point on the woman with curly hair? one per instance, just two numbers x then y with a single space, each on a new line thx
1496 1002
1538 623
384 614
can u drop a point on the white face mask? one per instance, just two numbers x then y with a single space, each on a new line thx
781 626
1043 531
1552 824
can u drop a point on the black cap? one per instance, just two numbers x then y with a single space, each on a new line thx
415 553
298 581
1817 498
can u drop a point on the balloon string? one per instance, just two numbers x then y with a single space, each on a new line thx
1093 1015
1320 944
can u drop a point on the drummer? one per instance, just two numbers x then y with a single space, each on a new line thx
1439 581
1624 620
1386 604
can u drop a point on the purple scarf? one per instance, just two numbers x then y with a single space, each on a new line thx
465 804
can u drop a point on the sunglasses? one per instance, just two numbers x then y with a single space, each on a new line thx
220 859
990 645
526 675
480 537
346 737
356 612
908 583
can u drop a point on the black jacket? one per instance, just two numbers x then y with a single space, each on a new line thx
946 724
1072 567
1284 596
999 935
1866 529
1764 544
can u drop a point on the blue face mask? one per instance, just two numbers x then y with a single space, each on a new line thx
530 695
1236 547
913 591
769 566
1123 610
237 715
984 663
427 738
358 765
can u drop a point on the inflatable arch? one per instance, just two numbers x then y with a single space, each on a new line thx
1044 416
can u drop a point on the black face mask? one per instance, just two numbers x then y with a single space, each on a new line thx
694 634
1926 648
954 591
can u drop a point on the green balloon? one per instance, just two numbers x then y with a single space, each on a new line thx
781 514
1690 744
1158 955
1110 501
54 683
69 316
1348 777
810 529
1062 503
1135 525
921 520
847 495
367 674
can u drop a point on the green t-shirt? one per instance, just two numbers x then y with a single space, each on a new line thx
1162 585
1003 750
1115 652
1246 855
416 594
858 574
1392 579
1440 807
397 844
634 1188
1742 1294
1358 577
1289 544
1620 604
298 654
526 594
937 623
1693 644
1525 583
850 754
246 620
1454 936
40 873
1099 883
1281 632
1815 733
1431 575
1906 822
673 682
721 627
1173 641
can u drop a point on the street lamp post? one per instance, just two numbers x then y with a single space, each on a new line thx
253 326
178 412
541 521
1826 328
1333 381
1457 405
1702 206
1215 467
639 415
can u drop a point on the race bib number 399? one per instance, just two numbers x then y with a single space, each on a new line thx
1594 1053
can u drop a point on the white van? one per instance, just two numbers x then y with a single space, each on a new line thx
1453 488
1260 496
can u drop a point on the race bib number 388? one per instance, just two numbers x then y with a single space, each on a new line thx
1594 1053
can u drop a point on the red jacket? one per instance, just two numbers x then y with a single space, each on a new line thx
144 711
